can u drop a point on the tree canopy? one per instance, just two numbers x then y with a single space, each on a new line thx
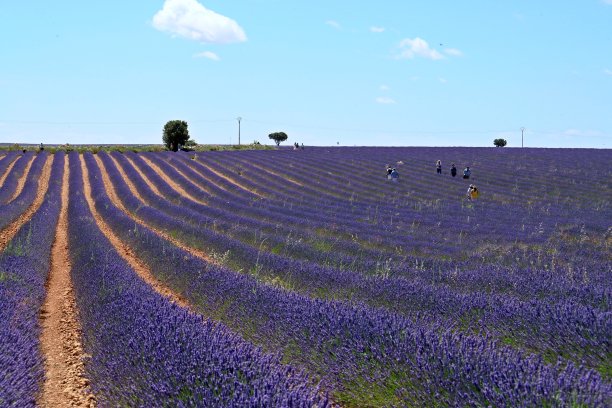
175 134
500 142
278 137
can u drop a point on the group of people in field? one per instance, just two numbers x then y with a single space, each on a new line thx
472 192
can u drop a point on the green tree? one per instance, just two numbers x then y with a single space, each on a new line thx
500 142
175 134
278 137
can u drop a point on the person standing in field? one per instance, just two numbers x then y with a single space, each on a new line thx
389 170
453 170
394 175
439 167
472 192
467 172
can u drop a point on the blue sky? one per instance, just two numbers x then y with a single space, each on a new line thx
389 73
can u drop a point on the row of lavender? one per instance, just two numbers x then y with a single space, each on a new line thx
237 217
364 181
195 361
145 349
355 349
24 265
10 210
526 262
9 186
559 327
459 230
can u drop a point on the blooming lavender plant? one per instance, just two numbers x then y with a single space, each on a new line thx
24 266
146 350
357 345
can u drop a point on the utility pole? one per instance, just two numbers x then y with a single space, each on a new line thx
238 119
522 131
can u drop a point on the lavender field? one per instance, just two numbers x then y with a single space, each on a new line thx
306 278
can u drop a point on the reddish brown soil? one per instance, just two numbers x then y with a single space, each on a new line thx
171 183
146 179
127 180
8 170
43 183
276 174
125 251
22 180
65 382
112 194
189 178
230 180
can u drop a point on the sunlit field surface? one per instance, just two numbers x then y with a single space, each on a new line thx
307 278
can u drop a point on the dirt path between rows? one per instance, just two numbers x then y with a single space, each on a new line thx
230 180
22 180
65 382
125 251
43 184
199 185
125 177
175 186
274 173
144 177
112 195
8 170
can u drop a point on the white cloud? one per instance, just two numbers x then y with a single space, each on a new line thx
608 71
385 100
442 80
418 47
607 2
333 24
384 88
453 52
375 29
207 54
190 19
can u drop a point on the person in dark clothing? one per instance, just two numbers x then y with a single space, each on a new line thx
467 172
439 167
394 175
453 170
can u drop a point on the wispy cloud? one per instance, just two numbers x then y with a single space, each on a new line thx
384 87
207 54
190 19
442 80
385 100
376 29
453 52
607 2
333 24
418 47
607 71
